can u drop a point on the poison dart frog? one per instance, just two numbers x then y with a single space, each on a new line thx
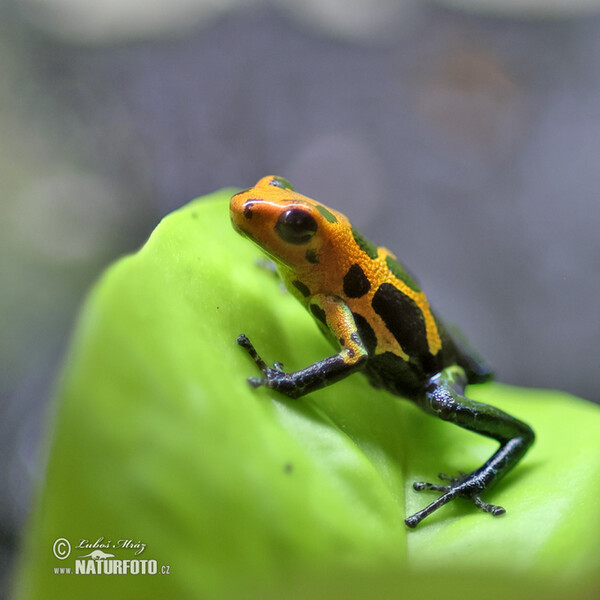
374 311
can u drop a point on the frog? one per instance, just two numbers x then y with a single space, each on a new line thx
375 314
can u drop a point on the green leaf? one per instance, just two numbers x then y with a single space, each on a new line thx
244 493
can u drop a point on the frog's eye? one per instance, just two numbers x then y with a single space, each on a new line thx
295 226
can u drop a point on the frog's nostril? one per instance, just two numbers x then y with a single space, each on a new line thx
248 210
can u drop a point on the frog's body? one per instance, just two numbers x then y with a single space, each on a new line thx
367 304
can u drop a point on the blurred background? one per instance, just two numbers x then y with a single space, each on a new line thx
464 135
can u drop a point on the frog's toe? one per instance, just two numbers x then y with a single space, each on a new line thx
419 486
465 486
256 381
493 509
243 341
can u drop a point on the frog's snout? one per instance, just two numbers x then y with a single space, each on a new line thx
242 210
236 211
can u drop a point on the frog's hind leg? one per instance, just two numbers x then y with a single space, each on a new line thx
444 398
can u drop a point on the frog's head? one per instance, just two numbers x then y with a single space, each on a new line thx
291 228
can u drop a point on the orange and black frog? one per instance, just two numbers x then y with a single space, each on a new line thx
379 320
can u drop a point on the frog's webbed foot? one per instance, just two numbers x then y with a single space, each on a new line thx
464 486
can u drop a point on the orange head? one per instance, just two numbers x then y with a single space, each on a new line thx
293 230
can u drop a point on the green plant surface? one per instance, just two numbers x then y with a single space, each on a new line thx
244 493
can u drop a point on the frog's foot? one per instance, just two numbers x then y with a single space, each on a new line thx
468 486
271 374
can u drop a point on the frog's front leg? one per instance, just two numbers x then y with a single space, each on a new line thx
444 398
335 316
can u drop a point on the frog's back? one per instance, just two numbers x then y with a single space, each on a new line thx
409 377
406 341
